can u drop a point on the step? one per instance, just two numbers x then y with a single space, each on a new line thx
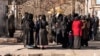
8 40
54 53
18 34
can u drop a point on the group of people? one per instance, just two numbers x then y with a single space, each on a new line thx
72 31
35 33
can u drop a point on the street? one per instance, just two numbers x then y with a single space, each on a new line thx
52 50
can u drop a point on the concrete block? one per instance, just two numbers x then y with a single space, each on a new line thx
7 55
12 40
3 40
18 34
35 55
27 55
97 37
8 40
57 54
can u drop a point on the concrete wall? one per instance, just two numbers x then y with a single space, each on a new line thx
3 4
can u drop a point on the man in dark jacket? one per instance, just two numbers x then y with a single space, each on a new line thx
28 28
64 28
11 25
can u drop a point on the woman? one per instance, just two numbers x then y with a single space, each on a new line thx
85 32
77 32
43 41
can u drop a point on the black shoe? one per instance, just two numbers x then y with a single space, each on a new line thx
63 46
36 47
71 47
86 45
43 48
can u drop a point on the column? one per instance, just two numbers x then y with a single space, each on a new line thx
86 7
73 6
14 9
77 4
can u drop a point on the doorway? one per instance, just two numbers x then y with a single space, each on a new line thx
3 18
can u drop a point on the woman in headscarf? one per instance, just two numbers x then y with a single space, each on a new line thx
43 41
77 32
85 32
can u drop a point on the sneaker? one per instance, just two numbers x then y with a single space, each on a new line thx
29 47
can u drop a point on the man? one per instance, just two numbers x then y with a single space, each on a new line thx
36 33
28 28
92 27
64 29
11 24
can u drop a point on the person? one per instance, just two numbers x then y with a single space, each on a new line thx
43 40
64 30
53 30
77 32
11 25
92 27
36 32
96 25
27 27
70 34
85 32
89 26
31 30
58 29
70 39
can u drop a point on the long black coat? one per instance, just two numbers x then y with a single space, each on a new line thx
11 24
43 40
28 29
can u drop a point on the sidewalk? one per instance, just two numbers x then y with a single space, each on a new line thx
19 50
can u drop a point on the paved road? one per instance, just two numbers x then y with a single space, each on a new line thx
92 50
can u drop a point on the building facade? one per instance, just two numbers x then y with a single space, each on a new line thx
43 6
93 7
37 7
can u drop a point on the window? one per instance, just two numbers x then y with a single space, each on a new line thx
97 1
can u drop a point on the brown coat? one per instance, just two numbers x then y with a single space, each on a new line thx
85 31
